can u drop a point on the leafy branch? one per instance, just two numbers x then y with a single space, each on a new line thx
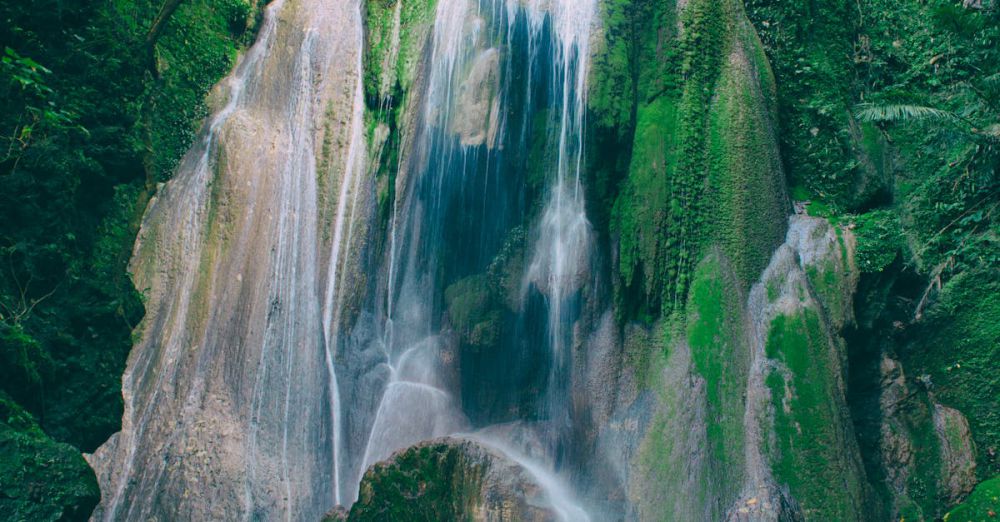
872 113
13 313
40 112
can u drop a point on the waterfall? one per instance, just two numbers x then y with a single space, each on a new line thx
563 249
492 65
230 391
266 368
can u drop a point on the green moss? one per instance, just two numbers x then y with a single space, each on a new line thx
390 65
642 209
982 505
424 483
809 436
704 168
773 290
749 205
611 95
472 311
828 283
714 333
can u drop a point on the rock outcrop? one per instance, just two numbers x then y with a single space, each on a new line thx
229 401
452 479
958 456
748 391
926 449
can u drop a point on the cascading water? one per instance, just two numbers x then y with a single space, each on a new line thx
265 370
559 267
372 244
502 74
230 400
333 303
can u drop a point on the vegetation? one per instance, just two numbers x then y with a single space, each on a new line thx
893 108
808 427
40 479
887 114
982 505
396 31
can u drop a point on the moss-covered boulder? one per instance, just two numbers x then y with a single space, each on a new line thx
798 422
747 416
451 479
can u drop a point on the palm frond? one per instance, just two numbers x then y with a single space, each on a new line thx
871 112
992 80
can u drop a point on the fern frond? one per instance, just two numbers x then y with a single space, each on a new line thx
870 112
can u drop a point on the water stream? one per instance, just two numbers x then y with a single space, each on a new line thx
502 73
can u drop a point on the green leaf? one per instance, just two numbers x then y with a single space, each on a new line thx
870 112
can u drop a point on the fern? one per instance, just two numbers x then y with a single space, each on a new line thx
870 112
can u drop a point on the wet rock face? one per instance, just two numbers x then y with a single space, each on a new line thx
958 457
450 479
227 410
927 456
477 109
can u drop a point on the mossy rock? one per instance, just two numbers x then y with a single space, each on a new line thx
715 321
473 311
957 347
450 479
704 168
809 423
982 506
